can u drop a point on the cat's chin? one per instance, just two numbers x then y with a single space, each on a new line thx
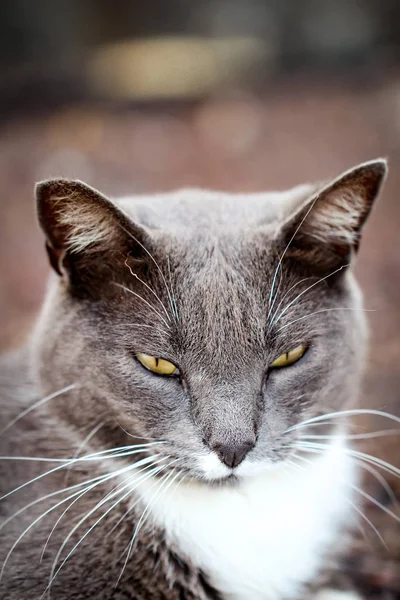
230 480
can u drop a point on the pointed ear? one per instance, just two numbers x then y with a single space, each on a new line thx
326 230
86 234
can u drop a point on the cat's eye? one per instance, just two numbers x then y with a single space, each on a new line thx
157 365
288 358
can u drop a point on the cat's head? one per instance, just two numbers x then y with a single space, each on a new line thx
211 322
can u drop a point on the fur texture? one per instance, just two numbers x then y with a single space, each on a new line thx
220 285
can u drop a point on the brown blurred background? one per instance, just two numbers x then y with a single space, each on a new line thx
251 95
246 95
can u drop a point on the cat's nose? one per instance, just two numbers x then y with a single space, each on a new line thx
233 454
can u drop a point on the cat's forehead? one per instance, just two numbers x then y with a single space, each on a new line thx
197 208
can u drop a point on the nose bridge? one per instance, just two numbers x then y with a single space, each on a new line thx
228 414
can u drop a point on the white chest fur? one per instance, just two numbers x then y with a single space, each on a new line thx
261 539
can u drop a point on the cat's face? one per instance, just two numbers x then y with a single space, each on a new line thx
220 289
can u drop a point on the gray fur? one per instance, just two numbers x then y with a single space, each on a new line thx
218 254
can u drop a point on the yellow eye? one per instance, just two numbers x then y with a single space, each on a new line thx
157 365
288 358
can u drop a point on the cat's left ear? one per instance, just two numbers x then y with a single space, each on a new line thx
88 237
326 230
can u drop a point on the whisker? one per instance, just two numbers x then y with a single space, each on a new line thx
135 436
293 464
155 262
37 405
49 510
123 287
152 441
322 424
271 305
156 484
84 443
123 517
306 290
380 480
175 308
376 502
365 465
149 462
98 505
354 436
378 462
344 413
102 455
130 509
52 494
354 506
143 518
322 311
287 247
367 520
181 478
279 304
149 288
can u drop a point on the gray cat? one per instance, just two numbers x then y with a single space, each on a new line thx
160 423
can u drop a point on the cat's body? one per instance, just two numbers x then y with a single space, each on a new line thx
218 539
219 510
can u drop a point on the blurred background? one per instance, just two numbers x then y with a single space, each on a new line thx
244 95
253 95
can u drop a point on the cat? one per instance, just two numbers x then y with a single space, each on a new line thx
157 428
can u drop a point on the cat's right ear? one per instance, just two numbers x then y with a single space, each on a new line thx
85 232
325 231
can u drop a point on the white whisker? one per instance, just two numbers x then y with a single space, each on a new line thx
322 311
285 295
83 444
149 462
175 308
94 509
379 478
292 464
103 455
352 503
376 503
51 495
305 291
155 262
49 510
179 480
37 405
286 249
164 480
123 287
149 288
367 520
353 436
378 462
347 413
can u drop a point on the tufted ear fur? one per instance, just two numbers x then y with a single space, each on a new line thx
325 231
87 235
